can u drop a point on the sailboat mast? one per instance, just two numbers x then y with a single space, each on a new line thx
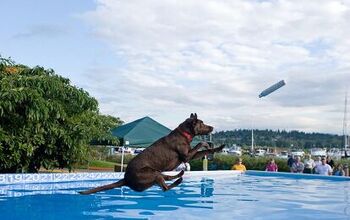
345 132
252 147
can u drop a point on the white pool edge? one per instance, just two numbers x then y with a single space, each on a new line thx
6 179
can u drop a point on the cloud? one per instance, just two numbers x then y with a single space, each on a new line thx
215 57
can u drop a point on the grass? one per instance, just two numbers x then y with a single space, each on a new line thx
96 164
102 164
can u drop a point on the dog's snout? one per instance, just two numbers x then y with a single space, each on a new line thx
211 128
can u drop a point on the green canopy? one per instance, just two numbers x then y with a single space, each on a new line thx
140 133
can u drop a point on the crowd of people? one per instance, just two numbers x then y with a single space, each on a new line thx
322 166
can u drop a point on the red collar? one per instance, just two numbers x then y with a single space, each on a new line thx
187 135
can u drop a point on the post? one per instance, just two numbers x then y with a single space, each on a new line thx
205 163
122 162
346 170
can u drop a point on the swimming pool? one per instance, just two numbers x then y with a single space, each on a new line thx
202 195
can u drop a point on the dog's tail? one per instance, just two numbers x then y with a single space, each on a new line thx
105 187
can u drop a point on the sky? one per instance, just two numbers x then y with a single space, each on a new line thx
167 59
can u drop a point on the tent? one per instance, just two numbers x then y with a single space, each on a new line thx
140 133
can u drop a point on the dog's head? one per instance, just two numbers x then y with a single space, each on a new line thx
195 126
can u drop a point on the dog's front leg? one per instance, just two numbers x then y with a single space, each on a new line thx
194 150
201 154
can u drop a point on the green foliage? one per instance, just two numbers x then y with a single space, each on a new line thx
45 121
99 152
107 122
221 162
344 162
225 162
282 139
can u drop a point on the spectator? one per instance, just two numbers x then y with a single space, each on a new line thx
239 165
272 166
290 162
309 164
339 171
298 166
330 161
317 163
324 168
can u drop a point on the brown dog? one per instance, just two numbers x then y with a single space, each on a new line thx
145 170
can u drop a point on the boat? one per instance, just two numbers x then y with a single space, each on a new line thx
335 153
283 155
127 150
225 150
260 152
139 150
318 152
297 152
235 150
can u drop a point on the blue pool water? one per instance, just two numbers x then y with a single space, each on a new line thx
254 195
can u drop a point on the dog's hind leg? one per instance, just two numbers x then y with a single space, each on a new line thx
161 182
167 177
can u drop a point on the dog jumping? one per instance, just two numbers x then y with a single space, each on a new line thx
167 153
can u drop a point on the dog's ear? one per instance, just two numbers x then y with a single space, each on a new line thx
193 116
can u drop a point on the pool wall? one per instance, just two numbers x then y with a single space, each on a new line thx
297 175
55 177
6 179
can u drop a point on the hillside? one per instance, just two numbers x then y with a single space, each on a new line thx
270 138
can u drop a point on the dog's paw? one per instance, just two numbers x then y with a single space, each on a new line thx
219 149
222 147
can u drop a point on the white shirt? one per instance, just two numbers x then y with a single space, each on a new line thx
324 169
309 163
317 163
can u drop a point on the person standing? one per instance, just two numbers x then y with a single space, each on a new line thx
330 161
239 165
290 162
318 162
339 171
271 166
309 164
324 168
298 166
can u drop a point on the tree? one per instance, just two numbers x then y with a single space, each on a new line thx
44 120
